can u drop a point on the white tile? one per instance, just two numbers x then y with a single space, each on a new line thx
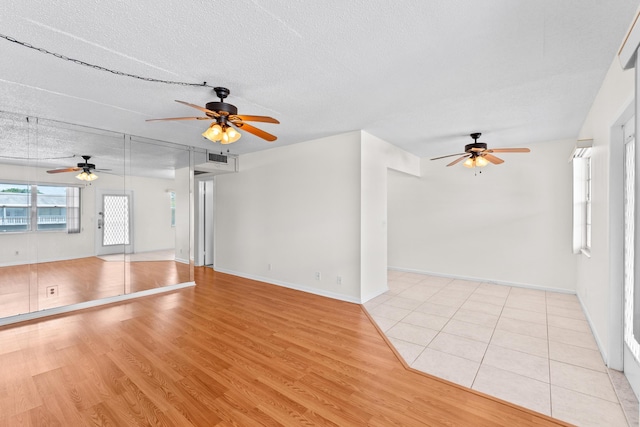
454 293
392 274
408 278
426 320
527 316
384 323
488 299
574 355
459 346
443 365
482 307
519 342
395 287
492 289
514 388
409 351
436 281
561 296
531 293
411 333
522 327
584 410
528 304
468 330
583 380
476 317
517 362
449 301
566 312
568 323
400 302
390 312
418 293
374 302
464 283
436 309
568 336
571 305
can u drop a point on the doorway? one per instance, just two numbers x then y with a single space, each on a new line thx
205 223
114 222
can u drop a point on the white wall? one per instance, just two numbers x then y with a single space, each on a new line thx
509 224
377 156
152 213
594 285
297 208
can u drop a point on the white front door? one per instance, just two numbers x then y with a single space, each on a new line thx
114 222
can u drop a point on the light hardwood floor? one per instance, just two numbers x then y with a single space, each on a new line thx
23 287
230 351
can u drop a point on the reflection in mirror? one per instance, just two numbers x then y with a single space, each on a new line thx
64 240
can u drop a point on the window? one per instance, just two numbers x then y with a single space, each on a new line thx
172 204
34 207
582 197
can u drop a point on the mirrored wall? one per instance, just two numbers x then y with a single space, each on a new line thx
75 229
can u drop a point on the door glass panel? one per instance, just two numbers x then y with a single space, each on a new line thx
116 220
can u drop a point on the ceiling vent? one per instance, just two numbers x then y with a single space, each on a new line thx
216 164
217 158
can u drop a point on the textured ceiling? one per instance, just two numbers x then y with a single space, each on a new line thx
419 74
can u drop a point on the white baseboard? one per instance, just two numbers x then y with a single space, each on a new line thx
491 281
315 291
93 303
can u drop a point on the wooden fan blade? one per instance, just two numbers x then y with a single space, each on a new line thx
459 159
477 149
264 119
449 155
197 107
509 150
64 170
257 132
493 159
180 118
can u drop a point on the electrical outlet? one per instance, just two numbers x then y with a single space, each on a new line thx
339 280
318 275
52 291
269 267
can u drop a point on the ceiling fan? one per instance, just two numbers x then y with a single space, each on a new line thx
225 115
477 153
86 168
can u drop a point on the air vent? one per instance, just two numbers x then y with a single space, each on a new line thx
218 158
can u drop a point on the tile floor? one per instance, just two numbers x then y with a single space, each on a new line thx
530 347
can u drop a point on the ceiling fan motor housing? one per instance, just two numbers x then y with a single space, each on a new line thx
481 146
222 108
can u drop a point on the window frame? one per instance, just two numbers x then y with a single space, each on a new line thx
32 208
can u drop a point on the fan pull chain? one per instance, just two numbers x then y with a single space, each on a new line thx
101 68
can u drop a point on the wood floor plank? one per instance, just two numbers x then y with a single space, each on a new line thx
229 352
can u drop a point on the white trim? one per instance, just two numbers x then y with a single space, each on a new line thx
295 286
93 303
182 260
491 281
371 296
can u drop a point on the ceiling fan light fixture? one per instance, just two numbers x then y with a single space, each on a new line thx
233 134
469 163
87 176
213 133
481 161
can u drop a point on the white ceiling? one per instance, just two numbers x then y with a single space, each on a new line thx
420 74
